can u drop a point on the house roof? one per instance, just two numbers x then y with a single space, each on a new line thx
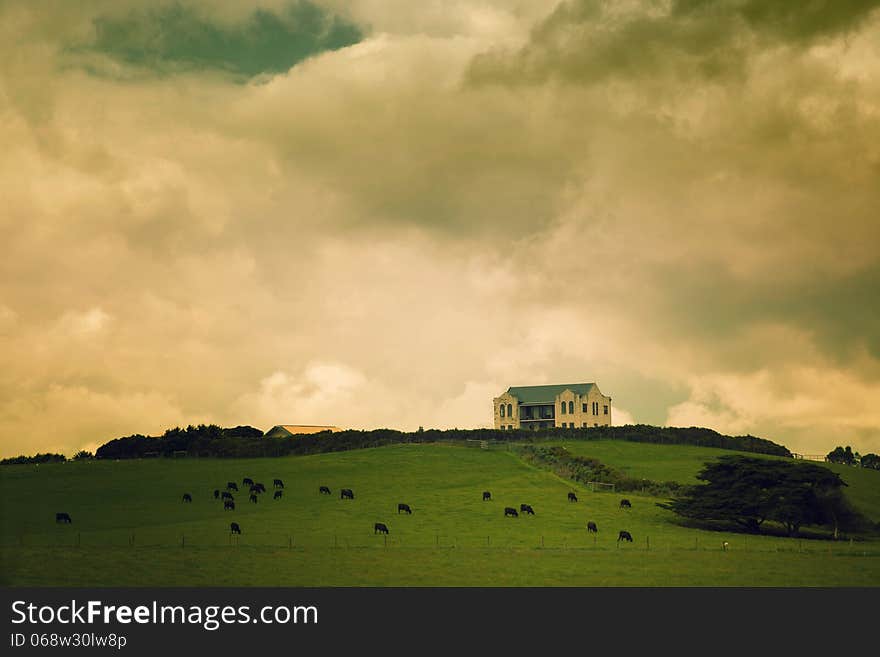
547 394
294 429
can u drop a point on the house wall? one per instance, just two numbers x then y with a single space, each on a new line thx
504 422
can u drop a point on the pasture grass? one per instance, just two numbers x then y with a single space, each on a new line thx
681 463
131 528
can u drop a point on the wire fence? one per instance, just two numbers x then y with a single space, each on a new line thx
292 541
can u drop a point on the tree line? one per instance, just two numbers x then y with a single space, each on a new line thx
846 456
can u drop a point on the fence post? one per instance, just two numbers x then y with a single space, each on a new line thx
487 542
289 543
648 542
542 540
696 544
385 537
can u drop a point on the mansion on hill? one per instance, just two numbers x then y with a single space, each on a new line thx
568 405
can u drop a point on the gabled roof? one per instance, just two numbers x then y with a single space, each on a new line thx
547 394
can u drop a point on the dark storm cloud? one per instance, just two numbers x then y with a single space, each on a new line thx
179 37
592 40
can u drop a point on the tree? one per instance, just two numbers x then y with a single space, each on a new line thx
841 455
747 491
871 461
82 455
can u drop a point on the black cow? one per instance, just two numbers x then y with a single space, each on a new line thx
624 536
624 504
231 485
277 484
346 492
226 495
247 481
525 508
403 507
487 495
187 497
216 493
254 489
253 498
63 517
229 505
591 527
234 528
380 528
277 495
260 487
324 489
510 511
572 497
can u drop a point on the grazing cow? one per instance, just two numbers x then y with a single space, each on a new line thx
624 536
231 485
324 489
277 495
260 487
510 511
624 504
346 492
229 505
725 545
187 497
63 517
216 493
380 528
525 508
253 498
254 489
487 495
572 497
403 507
591 527
277 484
247 481
234 528
226 495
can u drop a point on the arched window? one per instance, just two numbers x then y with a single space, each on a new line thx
510 410
502 410
571 407
562 409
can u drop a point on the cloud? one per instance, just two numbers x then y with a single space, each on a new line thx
591 41
668 199
179 37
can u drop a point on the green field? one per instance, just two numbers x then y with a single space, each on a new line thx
131 528
681 463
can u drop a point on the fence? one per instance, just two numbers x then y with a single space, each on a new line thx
275 541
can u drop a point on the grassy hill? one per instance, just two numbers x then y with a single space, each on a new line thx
681 463
131 528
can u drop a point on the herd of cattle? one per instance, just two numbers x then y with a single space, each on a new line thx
255 488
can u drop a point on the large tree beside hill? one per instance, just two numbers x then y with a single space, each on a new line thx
747 492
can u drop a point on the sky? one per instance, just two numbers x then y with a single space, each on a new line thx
383 213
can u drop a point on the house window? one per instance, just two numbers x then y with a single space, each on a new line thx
585 424
584 410
571 407
606 409
502 410
509 410
595 408
563 409
596 424
510 426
